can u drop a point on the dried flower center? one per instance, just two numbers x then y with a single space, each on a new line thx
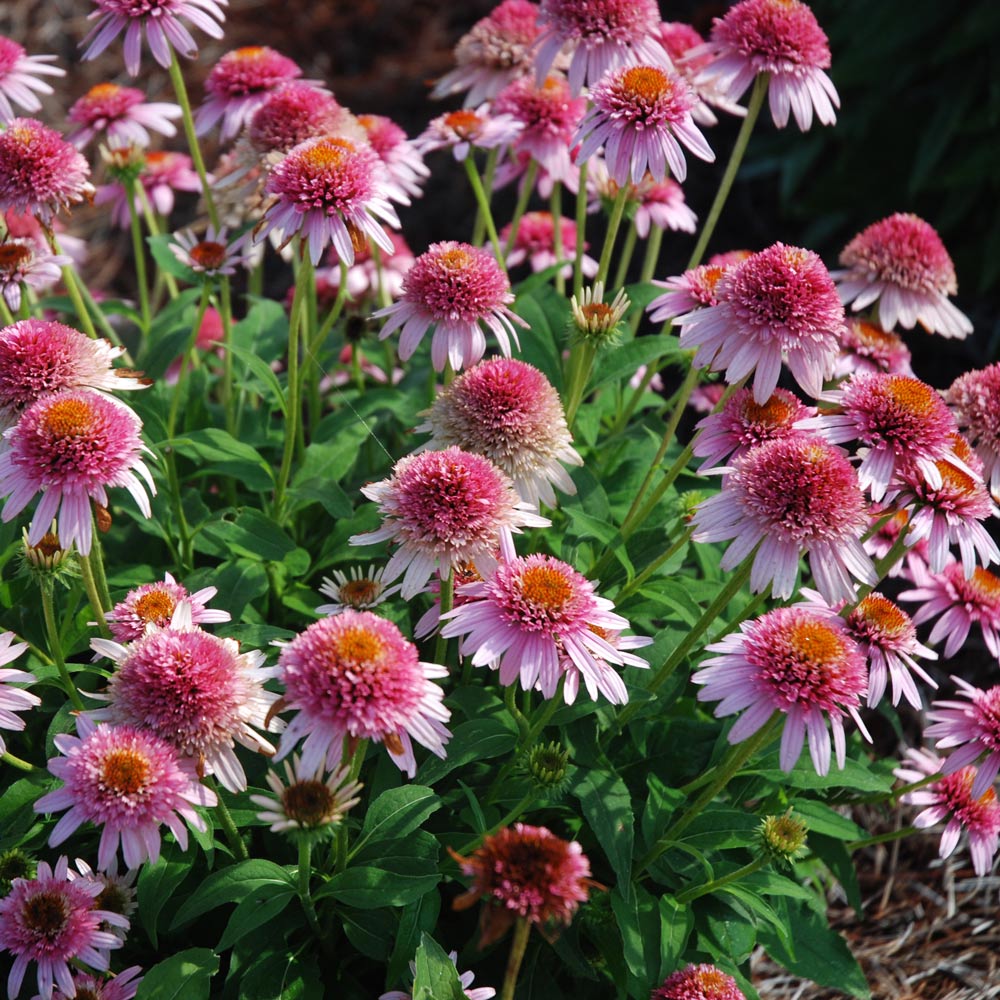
546 587
86 993
815 642
985 584
157 606
358 593
309 803
209 254
68 418
359 645
647 83
45 914
464 123
913 395
776 412
113 898
125 771
14 256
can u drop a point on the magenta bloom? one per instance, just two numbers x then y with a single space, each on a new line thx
121 115
40 356
973 727
330 190
13 699
865 347
293 113
975 397
238 84
535 243
19 79
603 35
457 288
780 38
495 51
903 424
536 620
365 283
779 302
354 675
742 424
508 411
71 446
901 264
445 509
214 254
23 263
163 22
694 289
195 691
797 661
122 987
155 604
40 172
951 798
698 982
661 204
461 131
400 157
127 781
789 496
641 115
52 921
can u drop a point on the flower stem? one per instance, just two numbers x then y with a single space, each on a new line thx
882 838
229 826
660 560
305 872
614 223
484 207
558 250
703 890
581 361
139 256
479 226
522 928
581 227
625 258
21 765
55 645
511 816
447 603
93 595
523 197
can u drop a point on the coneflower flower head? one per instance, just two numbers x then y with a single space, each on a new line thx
778 302
155 604
789 496
445 509
661 203
458 289
535 242
293 113
971 730
22 262
359 589
696 288
162 173
783 39
120 115
596 321
13 699
799 661
19 79
401 159
123 986
354 675
40 172
865 347
461 131
508 411
641 115
698 982
527 872
163 23
901 263
212 255
975 397
71 446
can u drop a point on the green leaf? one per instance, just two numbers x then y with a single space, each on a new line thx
242 581
607 807
821 818
626 358
367 888
835 855
184 976
416 919
479 739
547 314
853 775
264 375
252 535
371 931
396 813
157 885
281 976
729 927
676 923
638 918
231 885
260 906
168 334
217 452
436 976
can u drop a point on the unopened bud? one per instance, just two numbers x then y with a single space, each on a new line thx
782 838
595 321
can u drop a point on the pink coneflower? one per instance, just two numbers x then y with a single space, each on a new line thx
40 356
975 397
238 84
127 781
163 21
306 802
535 619
602 34
698 982
779 302
24 226
13 699
19 79
508 411
71 446
52 921
901 264
793 495
865 347
694 289
293 113
661 204
212 255
23 263
118 892
40 172
973 727
330 190
799 661
163 175
495 51
121 115
951 798
123 986
903 424
193 690
705 398
886 534
458 289
444 509
527 872
402 161
549 116
780 38
461 131
743 423
465 978
359 589
641 115
886 634
354 675
155 604
535 242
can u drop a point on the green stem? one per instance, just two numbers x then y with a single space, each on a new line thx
614 223
5 314
341 843
518 945
21 765
660 560
523 197
447 603
305 873
139 255
55 646
555 210
484 207
581 361
581 229
97 564
89 584
479 226
226 317
703 890
229 826
628 249
510 700
882 838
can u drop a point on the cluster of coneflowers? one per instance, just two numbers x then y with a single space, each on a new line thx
601 101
